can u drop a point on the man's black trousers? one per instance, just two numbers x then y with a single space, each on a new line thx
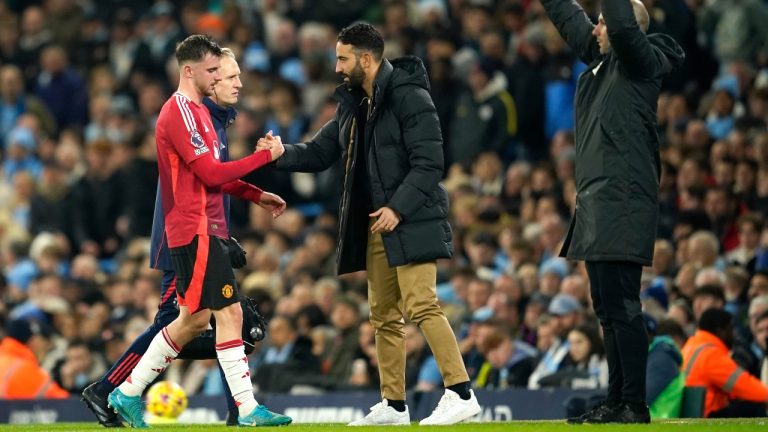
615 288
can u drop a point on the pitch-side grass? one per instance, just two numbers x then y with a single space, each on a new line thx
699 425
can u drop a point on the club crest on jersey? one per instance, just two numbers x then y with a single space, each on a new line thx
198 143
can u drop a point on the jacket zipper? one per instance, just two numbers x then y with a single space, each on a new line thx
346 193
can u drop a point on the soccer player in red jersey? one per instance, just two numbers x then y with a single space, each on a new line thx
192 182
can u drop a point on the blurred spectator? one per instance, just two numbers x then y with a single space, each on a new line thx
663 393
35 36
158 42
336 362
98 202
509 363
703 249
663 258
485 118
527 85
707 297
365 368
761 338
720 119
731 392
51 204
90 48
758 284
584 366
719 19
735 290
61 89
721 210
481 250
14 102
445 92
78 368
20 154
138 177
25 344
567 313
287 359
749 227
551 274
122 45
749 350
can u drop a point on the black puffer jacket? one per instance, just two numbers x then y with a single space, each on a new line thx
404 156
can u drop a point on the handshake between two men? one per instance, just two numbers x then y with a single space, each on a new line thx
267 200
272 143
386 218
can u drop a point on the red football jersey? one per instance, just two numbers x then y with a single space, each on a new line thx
184 133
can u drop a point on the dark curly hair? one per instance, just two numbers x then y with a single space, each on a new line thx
363 37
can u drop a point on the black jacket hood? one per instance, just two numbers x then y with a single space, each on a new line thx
670 48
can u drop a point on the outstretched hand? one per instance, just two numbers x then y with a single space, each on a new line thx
272 203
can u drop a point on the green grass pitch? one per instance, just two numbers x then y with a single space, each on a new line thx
699 425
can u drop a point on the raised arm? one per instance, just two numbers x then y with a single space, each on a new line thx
629 42
574 26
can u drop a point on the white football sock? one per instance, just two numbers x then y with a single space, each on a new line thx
233 361
160 353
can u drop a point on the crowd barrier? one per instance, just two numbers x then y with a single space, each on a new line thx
335 407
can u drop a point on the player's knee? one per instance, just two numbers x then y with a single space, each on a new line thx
195 324
231 314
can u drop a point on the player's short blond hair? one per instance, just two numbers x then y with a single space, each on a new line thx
229 53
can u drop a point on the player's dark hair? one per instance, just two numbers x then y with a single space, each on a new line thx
363 37
195 47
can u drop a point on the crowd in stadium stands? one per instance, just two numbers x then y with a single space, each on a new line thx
81 85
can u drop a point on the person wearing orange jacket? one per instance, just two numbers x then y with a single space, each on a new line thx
21 376
731 391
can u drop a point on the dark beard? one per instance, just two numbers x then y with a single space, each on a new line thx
356 77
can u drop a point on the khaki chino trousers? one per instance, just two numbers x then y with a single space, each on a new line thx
407 290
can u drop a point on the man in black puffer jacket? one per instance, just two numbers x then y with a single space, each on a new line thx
393 212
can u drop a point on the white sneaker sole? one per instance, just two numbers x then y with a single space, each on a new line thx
403 423
462 416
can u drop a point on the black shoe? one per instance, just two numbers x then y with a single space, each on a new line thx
596 414
98 406
232 416
627 412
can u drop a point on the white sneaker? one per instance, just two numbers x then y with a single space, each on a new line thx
382 414
453 409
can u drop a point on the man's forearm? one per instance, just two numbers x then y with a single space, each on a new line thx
241 189
214 174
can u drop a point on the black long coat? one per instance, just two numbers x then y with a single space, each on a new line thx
617 148
404 157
